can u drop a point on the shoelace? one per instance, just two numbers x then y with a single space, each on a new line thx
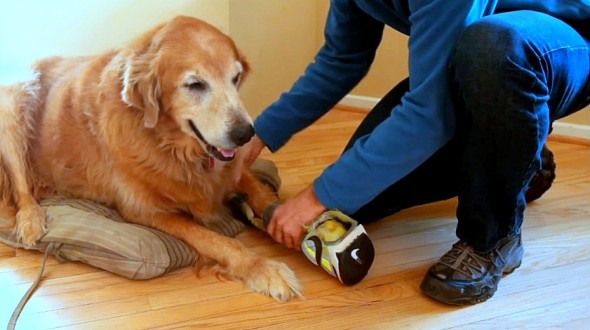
465 260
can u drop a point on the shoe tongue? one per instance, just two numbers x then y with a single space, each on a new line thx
227 152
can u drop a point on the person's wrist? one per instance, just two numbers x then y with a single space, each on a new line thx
259 145
317 205
254 149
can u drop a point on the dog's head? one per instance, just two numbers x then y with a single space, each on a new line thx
188 73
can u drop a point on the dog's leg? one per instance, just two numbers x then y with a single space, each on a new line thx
30 217
260 274
9 215
259 194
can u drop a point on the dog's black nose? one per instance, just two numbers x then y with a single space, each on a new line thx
242 134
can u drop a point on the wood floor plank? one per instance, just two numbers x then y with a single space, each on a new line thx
392 305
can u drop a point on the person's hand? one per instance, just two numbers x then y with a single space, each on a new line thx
253 150
286 225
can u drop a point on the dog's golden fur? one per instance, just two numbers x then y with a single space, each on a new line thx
116 128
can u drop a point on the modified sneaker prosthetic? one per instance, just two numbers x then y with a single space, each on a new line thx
334 242
340 246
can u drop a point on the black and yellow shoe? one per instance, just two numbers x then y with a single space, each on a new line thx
340 246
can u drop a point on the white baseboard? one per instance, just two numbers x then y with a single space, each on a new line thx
571 130
359 101
559 127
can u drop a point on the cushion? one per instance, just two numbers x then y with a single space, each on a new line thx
96 235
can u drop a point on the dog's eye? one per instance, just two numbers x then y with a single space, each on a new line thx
197 86
236 79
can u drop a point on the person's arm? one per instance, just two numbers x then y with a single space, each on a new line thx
420 125
417 128
352 38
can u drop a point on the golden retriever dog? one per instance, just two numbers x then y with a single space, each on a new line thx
154 130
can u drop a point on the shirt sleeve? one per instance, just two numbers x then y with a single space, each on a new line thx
352 38
420 125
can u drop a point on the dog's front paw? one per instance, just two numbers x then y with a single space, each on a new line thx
273 279
30 224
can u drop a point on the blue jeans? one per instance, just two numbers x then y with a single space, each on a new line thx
513 74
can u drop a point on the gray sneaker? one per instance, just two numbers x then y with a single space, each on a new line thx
465 276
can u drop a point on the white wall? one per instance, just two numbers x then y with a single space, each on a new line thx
30 29
278 39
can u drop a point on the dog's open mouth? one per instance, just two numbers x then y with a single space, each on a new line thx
221 154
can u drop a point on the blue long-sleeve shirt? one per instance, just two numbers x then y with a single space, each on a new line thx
422 123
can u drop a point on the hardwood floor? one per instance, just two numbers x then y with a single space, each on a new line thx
550 290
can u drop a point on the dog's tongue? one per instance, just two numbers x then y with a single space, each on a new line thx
229 153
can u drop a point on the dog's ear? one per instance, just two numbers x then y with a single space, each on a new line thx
245 66
141 87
